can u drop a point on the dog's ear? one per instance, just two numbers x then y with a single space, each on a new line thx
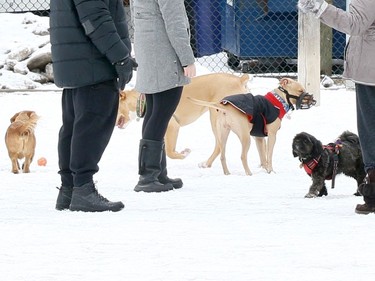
14 117
294 154
296 137
283 82
317 146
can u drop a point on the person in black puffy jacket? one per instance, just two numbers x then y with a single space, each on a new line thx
91 61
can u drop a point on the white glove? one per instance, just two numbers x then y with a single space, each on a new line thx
310 6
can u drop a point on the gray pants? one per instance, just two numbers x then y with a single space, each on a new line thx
365 96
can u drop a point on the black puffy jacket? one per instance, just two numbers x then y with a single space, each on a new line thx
87 37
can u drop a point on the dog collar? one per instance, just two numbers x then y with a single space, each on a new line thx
282 101
278 102
310 166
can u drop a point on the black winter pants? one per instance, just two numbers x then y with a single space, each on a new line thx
366 123
159 110
88 115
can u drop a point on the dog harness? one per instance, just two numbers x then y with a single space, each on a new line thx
334 150
260 110
278 102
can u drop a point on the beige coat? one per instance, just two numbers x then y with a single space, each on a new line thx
359 23
161 44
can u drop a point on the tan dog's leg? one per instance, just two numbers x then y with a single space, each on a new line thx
26 165
270 145
30 153
15 164
245 142
171 141
262 151
272 131
223 133
241 127
213 119
214 155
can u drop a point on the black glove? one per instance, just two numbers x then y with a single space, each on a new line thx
124 69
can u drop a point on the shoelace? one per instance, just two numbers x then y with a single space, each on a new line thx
101 197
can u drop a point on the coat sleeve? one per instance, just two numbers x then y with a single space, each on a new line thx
178 30
356 21
99 26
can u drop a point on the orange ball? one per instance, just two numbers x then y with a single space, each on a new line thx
42 161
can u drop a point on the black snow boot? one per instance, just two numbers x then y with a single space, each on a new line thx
86 198
163 177
64 198
149 161
367 190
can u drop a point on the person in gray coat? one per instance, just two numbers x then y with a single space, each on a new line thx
91 61
166 63
359 66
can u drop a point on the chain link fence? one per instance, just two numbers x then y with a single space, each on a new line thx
39 7
249 36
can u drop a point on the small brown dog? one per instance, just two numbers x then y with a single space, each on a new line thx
209 87
20 139
259 116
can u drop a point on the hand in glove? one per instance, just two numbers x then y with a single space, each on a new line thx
309 6
124 69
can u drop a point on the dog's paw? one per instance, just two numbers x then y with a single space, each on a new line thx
269 171
310 195
323 192
185 152
203 165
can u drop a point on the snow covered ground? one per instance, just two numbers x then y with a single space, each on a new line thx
217 227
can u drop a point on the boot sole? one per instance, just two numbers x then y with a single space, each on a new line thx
78 208
61 208
363 212
151 190
157 188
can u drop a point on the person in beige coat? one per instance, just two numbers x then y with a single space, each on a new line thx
165 64
359 66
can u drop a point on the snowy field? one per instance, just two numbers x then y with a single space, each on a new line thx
217 227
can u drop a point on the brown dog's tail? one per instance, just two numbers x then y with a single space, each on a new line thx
204 103
25 126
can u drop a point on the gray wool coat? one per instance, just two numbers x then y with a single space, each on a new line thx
359 23
161 44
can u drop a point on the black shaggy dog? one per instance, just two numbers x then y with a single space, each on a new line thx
324 162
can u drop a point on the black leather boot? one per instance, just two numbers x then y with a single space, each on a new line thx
163 177
367 190
86 198
64 198
149 161
367 208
